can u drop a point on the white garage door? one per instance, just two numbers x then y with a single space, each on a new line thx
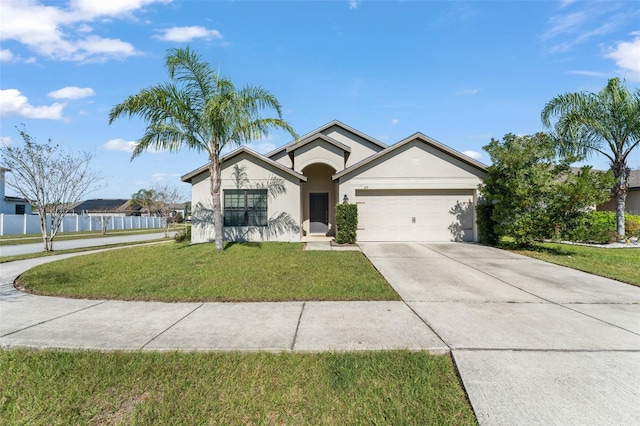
415 215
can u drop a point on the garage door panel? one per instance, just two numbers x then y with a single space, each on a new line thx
415 215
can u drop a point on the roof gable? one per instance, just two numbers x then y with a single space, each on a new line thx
243 149
419 137
316 137
321 132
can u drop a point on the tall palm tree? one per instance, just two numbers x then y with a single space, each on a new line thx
605 123
200 110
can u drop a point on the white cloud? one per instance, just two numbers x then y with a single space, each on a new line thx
182 34
587 20
394 121
163 177
62 32
6 55
263 147
12 102
473 154
627 57
588 73
90 9
468 92
353 4
71 92
120 145
5 141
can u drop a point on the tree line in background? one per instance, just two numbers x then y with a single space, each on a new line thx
531 193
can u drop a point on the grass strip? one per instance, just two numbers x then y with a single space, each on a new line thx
618 264
13 240
5 259
394 387
246 272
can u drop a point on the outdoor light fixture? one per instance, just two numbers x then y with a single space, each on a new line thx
345 199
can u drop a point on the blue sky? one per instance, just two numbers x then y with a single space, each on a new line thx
460 72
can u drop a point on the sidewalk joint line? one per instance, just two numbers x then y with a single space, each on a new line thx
55 318
172 325
427 324
295 335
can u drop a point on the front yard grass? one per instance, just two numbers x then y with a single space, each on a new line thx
393 387
242 273
618 264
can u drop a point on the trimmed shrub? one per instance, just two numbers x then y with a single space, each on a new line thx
632 225
183 236
486 224
600 227
347 223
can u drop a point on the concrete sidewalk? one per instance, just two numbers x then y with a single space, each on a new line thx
50 322
18 249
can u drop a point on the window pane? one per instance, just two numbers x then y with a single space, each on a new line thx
245 207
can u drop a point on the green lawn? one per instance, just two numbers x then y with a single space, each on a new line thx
394 387
183 272
618 264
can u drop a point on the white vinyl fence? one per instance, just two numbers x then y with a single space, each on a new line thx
20 224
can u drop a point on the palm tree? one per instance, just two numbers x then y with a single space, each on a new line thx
200 110
606 123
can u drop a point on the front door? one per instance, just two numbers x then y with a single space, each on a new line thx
319 213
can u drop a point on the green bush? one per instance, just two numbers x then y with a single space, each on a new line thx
632 225
177 218
486 224
347 223
183 236
600 227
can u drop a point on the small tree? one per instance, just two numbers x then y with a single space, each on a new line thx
52 180
103 221
166 198
159 201
144 199
534 195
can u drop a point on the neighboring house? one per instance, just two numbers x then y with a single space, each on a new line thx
107 207
632 204
11 205
415 190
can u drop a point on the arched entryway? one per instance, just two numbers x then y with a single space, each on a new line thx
319 194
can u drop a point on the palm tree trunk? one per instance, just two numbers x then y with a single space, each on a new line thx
215 175
619 193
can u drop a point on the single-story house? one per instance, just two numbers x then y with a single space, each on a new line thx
414 190
632 205
9 204
106 207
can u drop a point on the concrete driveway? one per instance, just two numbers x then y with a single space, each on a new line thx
534 343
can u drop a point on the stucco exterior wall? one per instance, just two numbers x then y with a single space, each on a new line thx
283 158
258 172
414 166
318 152
360 147
632 205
